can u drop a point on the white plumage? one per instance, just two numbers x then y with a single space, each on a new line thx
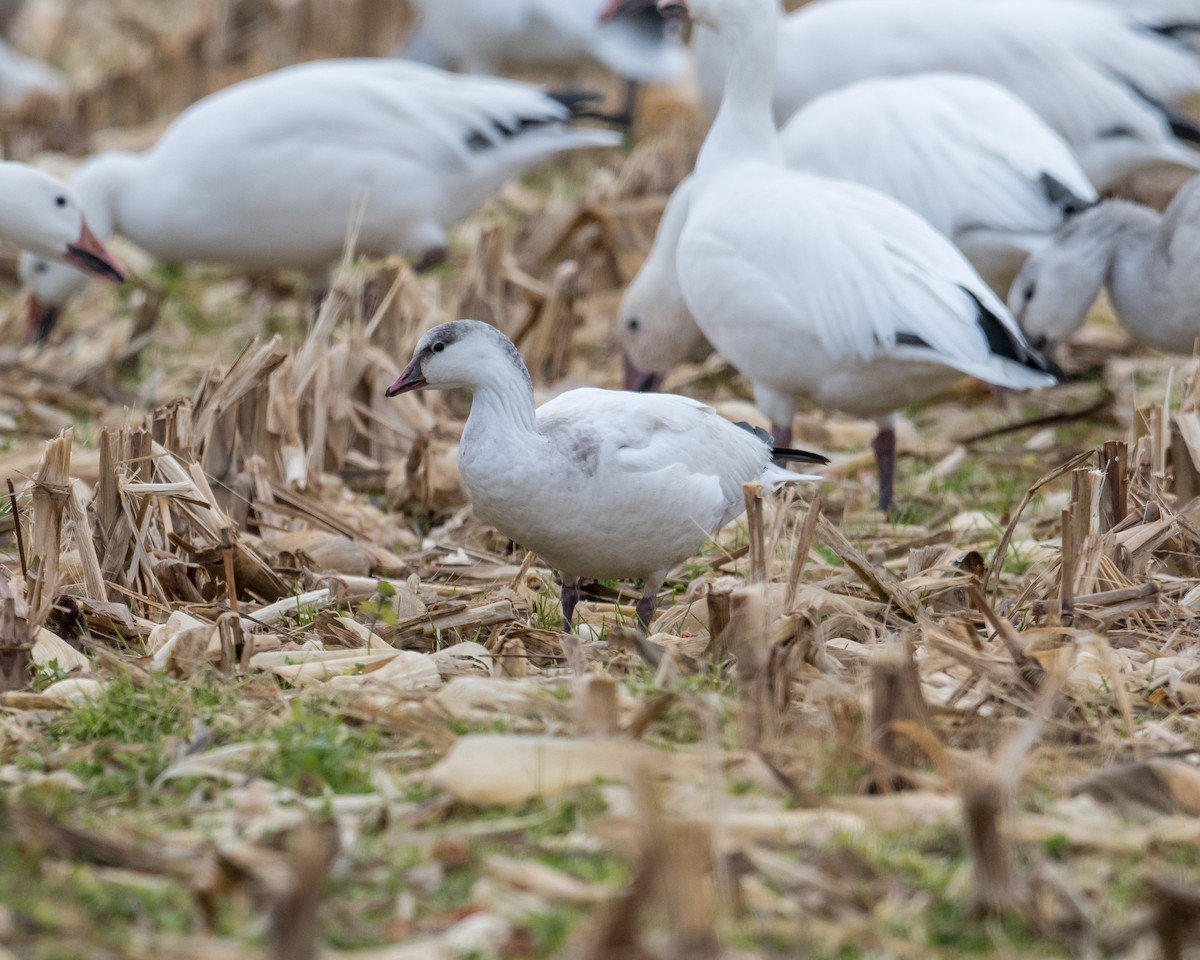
599 483
964 153
1106 85
820 288
275 171
1149 262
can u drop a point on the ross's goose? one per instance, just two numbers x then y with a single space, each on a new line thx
491 36
821 288
274 172
961 151
599 483
1150 263
1107 82
41 213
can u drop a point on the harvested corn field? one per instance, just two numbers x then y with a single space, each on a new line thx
271 689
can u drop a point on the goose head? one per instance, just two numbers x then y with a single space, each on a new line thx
655 330
42 215
1057 285
461 354
51 286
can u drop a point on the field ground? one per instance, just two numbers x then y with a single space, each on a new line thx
289 699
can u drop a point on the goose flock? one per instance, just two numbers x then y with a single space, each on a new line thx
890 196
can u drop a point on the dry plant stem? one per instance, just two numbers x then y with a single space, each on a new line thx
805 532
987 813
1006 538
16 515
16 641
895 699
752 492
51 486
294 916
885 584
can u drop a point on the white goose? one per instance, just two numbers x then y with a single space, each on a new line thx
273 172
20 75
490 36
961 151
821 288
1150 263
41 213
599 483
1101 80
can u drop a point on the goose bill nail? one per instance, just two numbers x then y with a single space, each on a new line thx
409 380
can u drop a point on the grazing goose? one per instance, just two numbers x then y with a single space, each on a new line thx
41 213
1108 84
599 483
273 172
821 288
1149 261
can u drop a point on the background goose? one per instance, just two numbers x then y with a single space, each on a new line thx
272 172
490 36
963 152
38 212
600 484
821 288
1109 87
1149 261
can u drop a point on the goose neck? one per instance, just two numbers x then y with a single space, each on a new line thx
503 411
744 128
101 184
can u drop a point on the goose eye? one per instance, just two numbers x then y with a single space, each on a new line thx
438 346
1029 290
633 325
60 201
41 266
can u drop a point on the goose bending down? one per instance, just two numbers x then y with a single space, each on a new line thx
1109 84
1150 263
599 483
964 153
821 288
274 172
490 36
38 212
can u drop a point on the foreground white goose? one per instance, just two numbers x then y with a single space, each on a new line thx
820 288
38 212
964 153
1150 263
274 172
1107 83
599 483
490 36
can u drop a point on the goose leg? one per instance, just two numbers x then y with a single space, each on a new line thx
884 446
782 435
432 257
570 599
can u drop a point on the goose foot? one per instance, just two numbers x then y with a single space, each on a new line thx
884 446
645 609
570 599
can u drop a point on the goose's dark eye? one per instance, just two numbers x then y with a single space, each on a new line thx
633 324
1029 290
41 266
60 201
438 346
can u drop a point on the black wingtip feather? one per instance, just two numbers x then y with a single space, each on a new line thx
781 454
788 455
1062 196
1003 342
